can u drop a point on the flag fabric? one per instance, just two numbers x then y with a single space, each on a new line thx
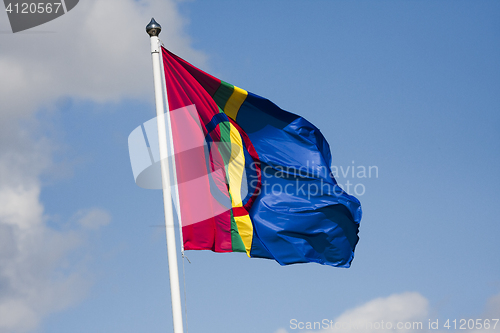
269 173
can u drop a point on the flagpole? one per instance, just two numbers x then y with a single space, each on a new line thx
153 29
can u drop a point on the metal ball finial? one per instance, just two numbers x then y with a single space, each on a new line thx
153 28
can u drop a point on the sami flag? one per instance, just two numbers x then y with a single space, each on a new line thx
263 175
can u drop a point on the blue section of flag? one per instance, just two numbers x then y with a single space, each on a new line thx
301 214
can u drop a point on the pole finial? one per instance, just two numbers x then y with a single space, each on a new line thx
153 28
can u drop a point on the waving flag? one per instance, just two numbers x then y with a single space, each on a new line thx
252 177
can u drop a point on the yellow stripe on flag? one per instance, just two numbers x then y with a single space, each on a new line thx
235 170
236 166
234 102
245 229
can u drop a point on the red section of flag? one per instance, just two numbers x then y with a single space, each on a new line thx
212 232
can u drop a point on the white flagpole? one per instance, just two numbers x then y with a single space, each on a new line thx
153 29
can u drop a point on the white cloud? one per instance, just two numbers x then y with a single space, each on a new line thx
281 330
493 307
492 311
94 218
406 312
31 258
375 316
99 51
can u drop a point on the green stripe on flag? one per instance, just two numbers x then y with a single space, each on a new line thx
236 241
222 94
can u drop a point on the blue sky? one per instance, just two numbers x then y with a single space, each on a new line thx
408 87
